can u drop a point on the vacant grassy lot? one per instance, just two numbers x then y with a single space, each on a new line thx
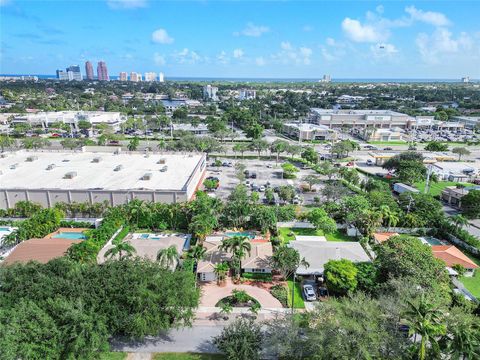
298 301
113 355
286 236
436 188
472 283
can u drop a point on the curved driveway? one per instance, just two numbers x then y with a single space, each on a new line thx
212 293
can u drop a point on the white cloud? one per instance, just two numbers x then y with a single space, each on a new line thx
160 36
362 33
159 59
260 61
429 17
380 9
4 2
223 58
253 30
383 50
238 53
187 56
285 45
126 4
307 28
440 43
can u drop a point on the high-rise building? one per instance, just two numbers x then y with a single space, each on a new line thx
135 77
150 76
62 75
123 76
466 79
102 72
161 77
326 78
89 70
74 73
210 92
247 94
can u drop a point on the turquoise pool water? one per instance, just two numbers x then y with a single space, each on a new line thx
4 229
70 235
240 233
433 241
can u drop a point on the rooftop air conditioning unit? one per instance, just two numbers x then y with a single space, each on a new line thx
162 161
31 158
118 168
96 160
51 166
14 166
147 176
70 175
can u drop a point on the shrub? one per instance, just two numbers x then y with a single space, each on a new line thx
280 292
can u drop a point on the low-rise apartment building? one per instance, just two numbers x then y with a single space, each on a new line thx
336 119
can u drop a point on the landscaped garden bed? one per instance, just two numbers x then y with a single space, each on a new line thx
239 298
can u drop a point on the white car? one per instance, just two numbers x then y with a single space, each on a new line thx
369 162
261 188
309 293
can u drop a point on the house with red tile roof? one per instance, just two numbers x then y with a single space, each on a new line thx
451 255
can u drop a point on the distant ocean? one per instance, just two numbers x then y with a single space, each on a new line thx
279 80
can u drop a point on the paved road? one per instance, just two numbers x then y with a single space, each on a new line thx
195 339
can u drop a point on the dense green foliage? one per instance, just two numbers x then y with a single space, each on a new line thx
340 276
240 340
42 223
66 310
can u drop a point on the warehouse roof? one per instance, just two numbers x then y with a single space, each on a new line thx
96 171
356 112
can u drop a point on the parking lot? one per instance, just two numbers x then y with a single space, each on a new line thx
268 174
426 135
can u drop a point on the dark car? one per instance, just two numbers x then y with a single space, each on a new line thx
388 148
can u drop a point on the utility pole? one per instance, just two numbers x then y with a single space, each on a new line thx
427 182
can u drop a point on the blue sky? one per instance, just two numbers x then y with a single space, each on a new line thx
298 39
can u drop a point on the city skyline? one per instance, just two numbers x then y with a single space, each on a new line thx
385 39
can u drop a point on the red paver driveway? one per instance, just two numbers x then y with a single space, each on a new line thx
212 293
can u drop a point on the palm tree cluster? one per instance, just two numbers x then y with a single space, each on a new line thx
239 247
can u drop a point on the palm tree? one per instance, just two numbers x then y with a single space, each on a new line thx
197 252
221 271
463 338
239 246
459 221
389 217
168 257
161 145
123 249
425 320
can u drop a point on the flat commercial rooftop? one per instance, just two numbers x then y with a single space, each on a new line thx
28 170
356 112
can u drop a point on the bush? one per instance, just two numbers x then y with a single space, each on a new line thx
280 292
257 276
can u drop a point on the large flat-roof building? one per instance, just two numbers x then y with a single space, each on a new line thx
304 131
45 119
50 177
385 119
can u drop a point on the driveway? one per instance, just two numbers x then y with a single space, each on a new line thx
212 293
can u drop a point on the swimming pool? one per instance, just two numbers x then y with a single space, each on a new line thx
70 235
240 233
431 241
4 229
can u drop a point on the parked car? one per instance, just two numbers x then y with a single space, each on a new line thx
369 162
350 163
309 293
388 148
253 175
261 188
322 291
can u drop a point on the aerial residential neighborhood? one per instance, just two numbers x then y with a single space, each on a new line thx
239 180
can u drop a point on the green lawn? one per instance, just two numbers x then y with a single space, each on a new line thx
286 237
113 356
472 283
298 301
188 356
436 188
386 143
